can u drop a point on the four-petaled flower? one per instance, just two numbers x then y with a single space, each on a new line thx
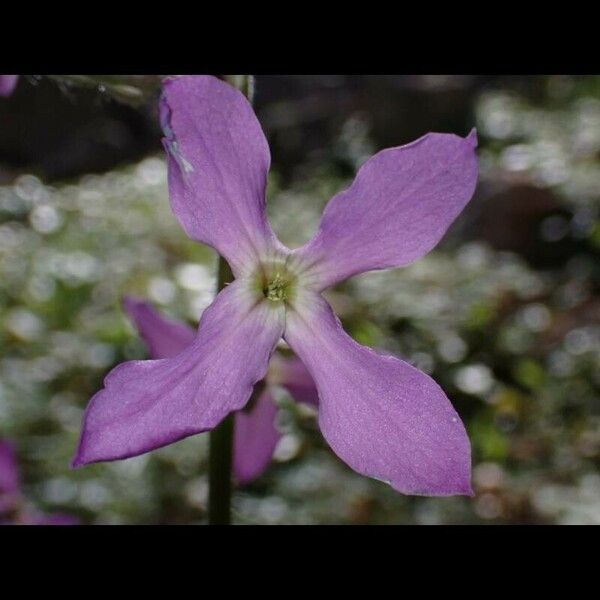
255 433
379 414
13 508
8 84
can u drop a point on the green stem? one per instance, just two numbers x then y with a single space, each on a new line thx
221 454
221 447
221 438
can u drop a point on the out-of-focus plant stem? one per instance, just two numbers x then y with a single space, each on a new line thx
221 438
129 89
135 89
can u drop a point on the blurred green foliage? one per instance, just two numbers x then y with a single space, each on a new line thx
514 343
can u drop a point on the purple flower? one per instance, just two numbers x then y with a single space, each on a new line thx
8 84
53 519
10 488
379 414
13 508
255 434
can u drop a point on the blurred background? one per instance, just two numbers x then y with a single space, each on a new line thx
504 314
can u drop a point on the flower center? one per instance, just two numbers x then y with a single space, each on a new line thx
276 288
275 282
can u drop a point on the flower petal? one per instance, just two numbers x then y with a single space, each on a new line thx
8 84
164 337
255 438
398 208
290 373
380 415
148 404
218 164
255 432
